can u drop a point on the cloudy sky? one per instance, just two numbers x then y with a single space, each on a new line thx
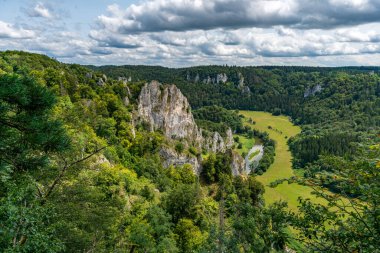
195 32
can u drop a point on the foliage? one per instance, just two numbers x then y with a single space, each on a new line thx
216 165
218 119
28 138
346 224
77 175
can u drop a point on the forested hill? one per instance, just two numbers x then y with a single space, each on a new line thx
336 107
287 90
80 171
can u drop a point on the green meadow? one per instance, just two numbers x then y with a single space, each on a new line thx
247 144
279 129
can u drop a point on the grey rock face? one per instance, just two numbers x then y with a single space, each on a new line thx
128 91
171 157
241 80
123 79
312 91
244 89
208 80
229 139
167 109
126 101
101 82
237 164
196 79
89 75
221 78
218 143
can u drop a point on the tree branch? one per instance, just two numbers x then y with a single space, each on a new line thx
64 169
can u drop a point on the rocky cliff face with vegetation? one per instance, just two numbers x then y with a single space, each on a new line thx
165 108
79 173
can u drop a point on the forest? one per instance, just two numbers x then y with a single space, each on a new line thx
76 176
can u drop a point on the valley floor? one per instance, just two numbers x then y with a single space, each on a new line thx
279 129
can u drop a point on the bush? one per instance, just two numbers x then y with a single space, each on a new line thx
179 147
193 150
276 112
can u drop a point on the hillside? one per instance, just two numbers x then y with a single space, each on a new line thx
336 108
108 160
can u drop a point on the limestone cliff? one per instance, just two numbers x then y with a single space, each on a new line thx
167 109
171 157
229 139
237 164
216 143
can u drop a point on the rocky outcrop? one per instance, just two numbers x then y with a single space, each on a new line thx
214 143
99 161
312 90
237 164
101 82
126 101
229 139
221 78
171 157
167 109
208 80
241 80
89 75
244 89
125 80
196 78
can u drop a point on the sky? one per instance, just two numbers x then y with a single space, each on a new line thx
180 33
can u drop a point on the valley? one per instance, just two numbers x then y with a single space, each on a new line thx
281 130
106 159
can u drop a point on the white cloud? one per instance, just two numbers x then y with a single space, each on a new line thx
182 33
10 31
40 10
184 15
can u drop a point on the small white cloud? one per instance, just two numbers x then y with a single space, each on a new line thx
10 31
40 10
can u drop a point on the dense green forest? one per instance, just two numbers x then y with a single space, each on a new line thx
218 119
338 108
76 177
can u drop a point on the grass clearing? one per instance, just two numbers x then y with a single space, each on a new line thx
280 130
247 144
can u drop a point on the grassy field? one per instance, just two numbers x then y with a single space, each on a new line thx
247 144
280 130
